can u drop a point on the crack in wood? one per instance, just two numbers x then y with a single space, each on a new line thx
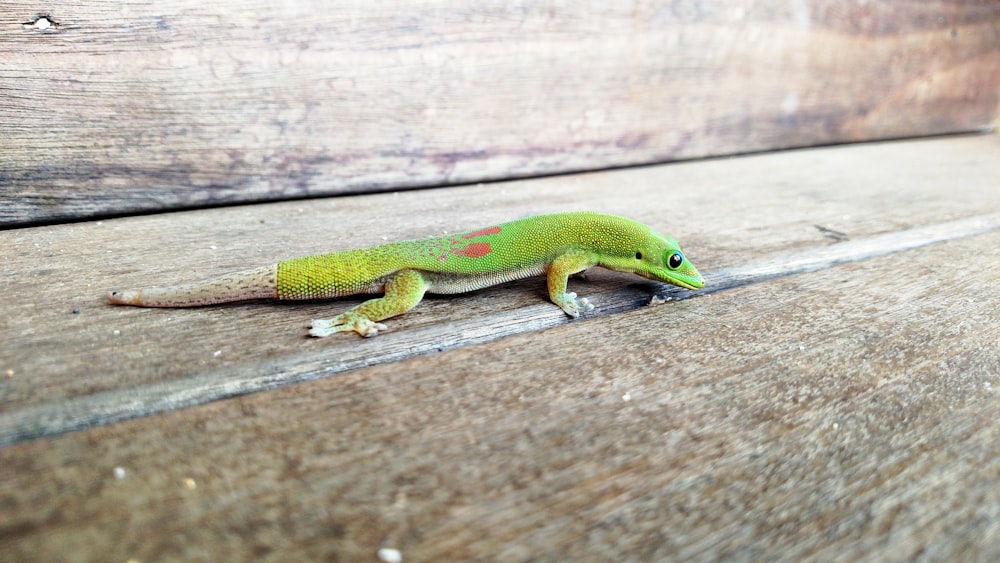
78 413
832 234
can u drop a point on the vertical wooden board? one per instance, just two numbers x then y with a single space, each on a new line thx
112 108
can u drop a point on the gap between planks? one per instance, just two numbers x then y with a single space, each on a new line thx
67 415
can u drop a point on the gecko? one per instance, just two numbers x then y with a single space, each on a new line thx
557 245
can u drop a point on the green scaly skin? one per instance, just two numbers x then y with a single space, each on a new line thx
557 245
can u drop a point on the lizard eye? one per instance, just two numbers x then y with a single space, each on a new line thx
675 260
638 256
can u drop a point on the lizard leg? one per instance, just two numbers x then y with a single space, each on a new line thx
559 272
402 292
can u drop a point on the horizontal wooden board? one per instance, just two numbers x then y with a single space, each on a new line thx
114 109
846 414
739 219
56 417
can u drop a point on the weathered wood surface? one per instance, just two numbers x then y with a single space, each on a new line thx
728 214
845 413
109 108
55 417
848 412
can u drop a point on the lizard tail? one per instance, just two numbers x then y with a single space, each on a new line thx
259 283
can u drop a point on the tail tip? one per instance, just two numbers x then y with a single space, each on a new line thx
124 297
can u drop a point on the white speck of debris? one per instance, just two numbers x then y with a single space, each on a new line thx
790 104
213 247
117 332
190 484
390 555
41 24
627 396
987 386
100 222
802 347
119 473
217 353
836 425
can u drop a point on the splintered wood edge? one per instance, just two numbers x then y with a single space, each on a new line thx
67 415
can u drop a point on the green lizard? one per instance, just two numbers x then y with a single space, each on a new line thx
557 245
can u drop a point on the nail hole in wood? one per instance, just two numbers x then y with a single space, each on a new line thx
42 23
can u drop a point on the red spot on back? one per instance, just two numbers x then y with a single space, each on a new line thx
474 250
482 233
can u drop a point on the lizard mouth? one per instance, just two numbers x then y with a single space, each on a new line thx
676 278
687 282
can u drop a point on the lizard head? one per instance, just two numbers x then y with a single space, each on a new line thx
674 268
660 259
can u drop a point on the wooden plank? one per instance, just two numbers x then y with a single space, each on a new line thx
56 417
111 110
845 414
107 363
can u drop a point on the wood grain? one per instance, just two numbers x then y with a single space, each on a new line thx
113 109
66 415
727 213
844 414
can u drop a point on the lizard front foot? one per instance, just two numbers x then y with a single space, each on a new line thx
575 307
345 322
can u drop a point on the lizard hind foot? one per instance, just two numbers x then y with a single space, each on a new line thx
344 322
